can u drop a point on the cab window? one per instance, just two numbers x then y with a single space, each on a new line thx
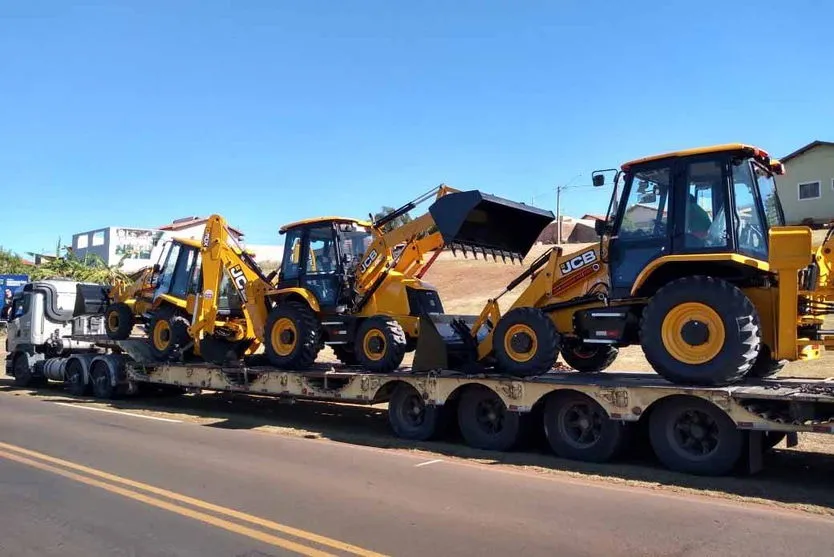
290 264
705 206
646 211
748 223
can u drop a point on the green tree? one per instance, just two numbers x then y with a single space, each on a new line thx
12 264
396 223
90 268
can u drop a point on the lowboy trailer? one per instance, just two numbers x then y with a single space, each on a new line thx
585 416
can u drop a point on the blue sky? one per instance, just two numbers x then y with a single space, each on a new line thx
135 113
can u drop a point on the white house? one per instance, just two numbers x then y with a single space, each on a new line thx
141 247
806 190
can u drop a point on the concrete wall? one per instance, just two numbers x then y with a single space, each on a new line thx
816 165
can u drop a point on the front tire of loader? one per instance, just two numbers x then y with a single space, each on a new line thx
700 331
168 332
380 344
586 358
118 321
292 336
525 343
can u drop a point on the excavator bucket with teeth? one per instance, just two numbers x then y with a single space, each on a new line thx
478 223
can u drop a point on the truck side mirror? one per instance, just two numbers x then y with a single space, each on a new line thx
599 180
600 227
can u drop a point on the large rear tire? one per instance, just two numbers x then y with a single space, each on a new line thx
587 358
525 342
74 379
700 331
292 336
380 344
118 321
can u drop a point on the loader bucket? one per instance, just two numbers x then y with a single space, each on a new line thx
445 343
90 299
488 224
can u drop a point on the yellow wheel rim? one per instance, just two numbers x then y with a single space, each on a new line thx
161 335
693 333
521 343
374 345
284 336
113 320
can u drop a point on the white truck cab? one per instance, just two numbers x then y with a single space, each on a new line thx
40 323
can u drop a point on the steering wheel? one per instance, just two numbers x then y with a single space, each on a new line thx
751 235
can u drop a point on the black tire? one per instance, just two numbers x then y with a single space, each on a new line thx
345 354
525 343
731 311
101 381
380 344
587 358
22 372
409 415
765 366
296 345
118 321
168 333
578 428
221 351
485 421
691 435
74 380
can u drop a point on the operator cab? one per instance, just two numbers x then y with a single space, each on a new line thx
712 200
330 248
179 276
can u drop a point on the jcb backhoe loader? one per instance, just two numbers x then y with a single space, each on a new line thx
164 296
694 264
357 285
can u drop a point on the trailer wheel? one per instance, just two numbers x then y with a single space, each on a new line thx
588 358
485 421
691 435
22 372
292 336
169 332
700 330
525 342
345 354
74 378
409 415
380 344
118 321
102 382
577 427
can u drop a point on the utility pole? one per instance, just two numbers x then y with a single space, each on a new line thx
559 207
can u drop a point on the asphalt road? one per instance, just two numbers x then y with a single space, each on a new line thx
81 482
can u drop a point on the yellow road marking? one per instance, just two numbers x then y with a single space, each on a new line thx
252 519
196 515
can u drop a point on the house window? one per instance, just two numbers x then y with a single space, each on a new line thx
81 241
809 190
98 238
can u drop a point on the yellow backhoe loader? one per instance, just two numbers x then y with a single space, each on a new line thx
164 296
694 264
357 285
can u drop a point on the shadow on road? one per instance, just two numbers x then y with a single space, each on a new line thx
797 477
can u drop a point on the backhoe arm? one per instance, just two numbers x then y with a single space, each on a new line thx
221 253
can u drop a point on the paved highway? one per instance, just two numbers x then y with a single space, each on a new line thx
81 482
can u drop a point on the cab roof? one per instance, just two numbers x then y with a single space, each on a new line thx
760 154
317 220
